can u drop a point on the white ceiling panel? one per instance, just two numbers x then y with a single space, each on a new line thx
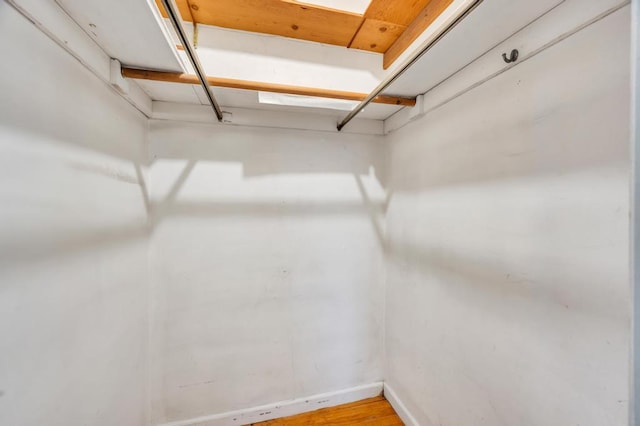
492 22
129 31
354 6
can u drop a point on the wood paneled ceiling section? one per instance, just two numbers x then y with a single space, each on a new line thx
387 26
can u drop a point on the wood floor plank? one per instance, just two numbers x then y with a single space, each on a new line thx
372 412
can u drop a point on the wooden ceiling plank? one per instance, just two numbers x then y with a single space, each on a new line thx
356 33
264 87
183 7
376 36
414 30
279 17
400 12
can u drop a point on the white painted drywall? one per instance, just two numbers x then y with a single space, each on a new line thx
51 20
507 249
266 260
132 32
507 299
280 60
634 358
73 240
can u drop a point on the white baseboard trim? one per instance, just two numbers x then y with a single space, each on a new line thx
400 408
284 408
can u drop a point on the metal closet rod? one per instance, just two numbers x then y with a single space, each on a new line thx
172 12
406 65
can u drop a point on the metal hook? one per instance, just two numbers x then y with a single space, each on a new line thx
512 58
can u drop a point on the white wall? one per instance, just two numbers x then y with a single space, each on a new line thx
266 264
507 293
73 240
634 408
507 250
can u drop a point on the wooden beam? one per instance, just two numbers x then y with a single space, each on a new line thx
286 18
174 77
376 36
384 21
400 12
425 18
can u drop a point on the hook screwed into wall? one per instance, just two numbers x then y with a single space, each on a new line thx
512 58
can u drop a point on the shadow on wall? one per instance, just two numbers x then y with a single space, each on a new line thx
518 188
523 132
68 192
309 173
72 154
265 241
202 170
263 150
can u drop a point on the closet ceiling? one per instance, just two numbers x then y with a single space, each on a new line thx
387 26
134 33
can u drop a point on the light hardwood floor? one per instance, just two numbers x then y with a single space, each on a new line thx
373 411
